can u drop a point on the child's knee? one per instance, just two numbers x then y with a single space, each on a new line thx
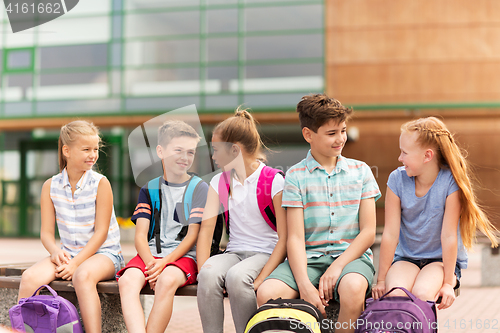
352 290
168 283
236 279
29 278
81 277
131 280
423 293
208 275
266 292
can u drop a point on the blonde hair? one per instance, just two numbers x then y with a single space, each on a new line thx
174 129
69 134
432 132
242 128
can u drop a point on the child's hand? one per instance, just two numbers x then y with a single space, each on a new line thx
378 290
257 282
66 271
60 257
447 296
152 285
310 294
154 268
327 283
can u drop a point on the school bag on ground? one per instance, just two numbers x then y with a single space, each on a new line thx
287 315
264 199
154 193
45 314
398 314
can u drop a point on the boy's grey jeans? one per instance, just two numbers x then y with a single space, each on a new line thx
234 271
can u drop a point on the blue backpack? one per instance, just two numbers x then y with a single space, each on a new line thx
182 212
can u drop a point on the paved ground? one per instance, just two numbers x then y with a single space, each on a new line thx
476 310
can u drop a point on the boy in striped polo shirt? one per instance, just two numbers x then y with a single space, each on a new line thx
330 202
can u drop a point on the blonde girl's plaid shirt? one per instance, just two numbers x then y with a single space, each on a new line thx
330 202
75 214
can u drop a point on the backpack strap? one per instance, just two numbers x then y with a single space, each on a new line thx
224 189
264 198
187 204
154 191
35 307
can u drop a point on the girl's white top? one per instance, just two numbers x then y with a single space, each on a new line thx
248 231
75 214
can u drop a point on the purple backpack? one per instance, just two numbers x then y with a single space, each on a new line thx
398 314
264 199
45 314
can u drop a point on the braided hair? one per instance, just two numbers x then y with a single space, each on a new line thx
433 133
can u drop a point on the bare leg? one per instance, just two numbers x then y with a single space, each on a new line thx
429 281
87 275
352 290
401 274
170 279
272 289
130 285
43 272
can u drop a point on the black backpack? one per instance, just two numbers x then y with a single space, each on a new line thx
289 315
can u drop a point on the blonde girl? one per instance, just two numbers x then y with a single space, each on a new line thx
431 215
80 200
254 249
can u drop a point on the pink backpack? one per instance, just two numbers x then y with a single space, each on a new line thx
264 199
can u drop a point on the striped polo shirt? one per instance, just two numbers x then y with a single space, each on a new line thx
75 214
330 202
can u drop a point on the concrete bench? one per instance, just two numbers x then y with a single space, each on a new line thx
10 277
112 317
490 263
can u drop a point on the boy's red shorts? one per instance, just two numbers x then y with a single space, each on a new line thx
187 265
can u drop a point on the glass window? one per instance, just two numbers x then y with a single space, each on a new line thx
92 7
117 26
11 193
221 102
284 18
151 4
9 221
262 71
162 24
40 163
11 165
17 109
19 59
116 54
34 221
222 20
16 87
171 81
274 100
293 77
22 39
223 76
71 85
284 47
78 106
222 49
73 78
90 55
75 30
221 2
162 52
160 103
